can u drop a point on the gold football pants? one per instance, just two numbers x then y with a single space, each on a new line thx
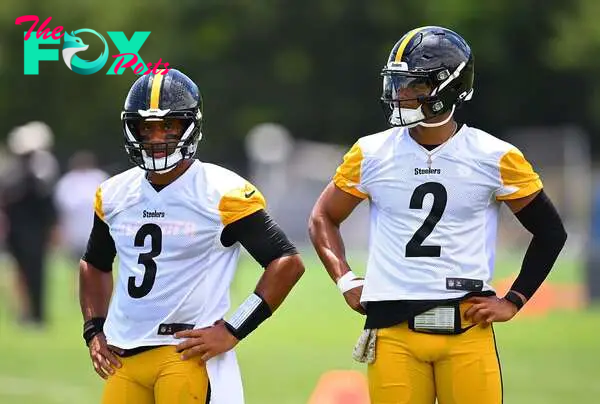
157 376
417 368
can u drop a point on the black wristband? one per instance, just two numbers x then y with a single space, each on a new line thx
93 327
515 299
248 316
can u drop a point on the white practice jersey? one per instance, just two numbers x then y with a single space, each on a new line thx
172 267
433 220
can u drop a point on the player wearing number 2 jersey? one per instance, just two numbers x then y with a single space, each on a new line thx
434 188
177 225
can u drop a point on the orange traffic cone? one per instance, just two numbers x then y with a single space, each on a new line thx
341 387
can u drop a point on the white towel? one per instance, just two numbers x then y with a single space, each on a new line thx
225 379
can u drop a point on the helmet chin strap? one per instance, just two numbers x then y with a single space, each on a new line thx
436 124
170 161
416 114
165 171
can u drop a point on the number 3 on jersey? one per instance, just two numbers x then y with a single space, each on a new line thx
415 247
146 259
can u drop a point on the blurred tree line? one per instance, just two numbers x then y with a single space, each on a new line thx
310 65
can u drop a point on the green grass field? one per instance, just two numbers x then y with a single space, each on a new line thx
546 360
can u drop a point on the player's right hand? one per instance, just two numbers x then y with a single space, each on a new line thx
104 360
352 297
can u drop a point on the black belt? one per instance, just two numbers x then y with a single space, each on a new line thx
388 313
163 329
125 353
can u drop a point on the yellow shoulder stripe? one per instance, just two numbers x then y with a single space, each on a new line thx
348 175
98 204
517 173
239 203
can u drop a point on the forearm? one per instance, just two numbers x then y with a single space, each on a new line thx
327 240
278 279
537 263
549 236
95 290
268 244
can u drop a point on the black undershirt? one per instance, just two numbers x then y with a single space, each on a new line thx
100 251
430 147
542 220
261 237
158 187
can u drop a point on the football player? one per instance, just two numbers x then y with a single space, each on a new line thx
177 225
435 189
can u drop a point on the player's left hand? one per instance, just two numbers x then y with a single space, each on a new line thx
489 309
206 342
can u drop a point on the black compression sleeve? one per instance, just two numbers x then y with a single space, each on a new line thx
101 249
543 221
260 236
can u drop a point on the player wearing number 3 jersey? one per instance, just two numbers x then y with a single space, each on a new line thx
435 189
177 225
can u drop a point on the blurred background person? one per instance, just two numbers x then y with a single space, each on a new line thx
74 200
27 203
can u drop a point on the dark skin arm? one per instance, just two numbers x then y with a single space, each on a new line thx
486 310
330 210
95 289
278 279
274 285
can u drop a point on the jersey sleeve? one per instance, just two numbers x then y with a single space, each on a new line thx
98 205
100 250
239 202
517 176
349 175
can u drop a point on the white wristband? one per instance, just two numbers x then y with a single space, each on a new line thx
349 281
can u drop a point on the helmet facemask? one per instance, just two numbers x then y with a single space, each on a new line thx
162 98
161 157
410 98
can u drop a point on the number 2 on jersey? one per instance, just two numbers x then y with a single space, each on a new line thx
415 247
146 259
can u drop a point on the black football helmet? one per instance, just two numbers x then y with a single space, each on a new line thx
155 97
434 58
